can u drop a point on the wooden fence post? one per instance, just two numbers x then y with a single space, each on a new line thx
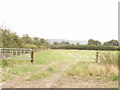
32 57
96 56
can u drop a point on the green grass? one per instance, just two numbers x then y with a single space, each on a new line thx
12 72
78 69
114 77
13 68
45 57
106 68
107 65
93 70
22 69
109 57
6 76
41 75
12 63
38 76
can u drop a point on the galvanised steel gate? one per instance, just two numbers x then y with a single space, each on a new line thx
16 53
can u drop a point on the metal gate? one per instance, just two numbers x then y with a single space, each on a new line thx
16 53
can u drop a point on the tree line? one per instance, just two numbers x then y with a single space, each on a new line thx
12 40
91 45
108 43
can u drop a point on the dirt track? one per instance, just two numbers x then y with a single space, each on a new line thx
57 80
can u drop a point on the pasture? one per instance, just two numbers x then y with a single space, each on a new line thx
63 68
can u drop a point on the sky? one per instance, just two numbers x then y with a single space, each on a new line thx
61 19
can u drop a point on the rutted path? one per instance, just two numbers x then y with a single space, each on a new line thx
57 80
21 80
49 81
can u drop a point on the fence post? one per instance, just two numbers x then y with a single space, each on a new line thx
97 56
32 56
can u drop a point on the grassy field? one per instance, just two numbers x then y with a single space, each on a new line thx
107 67
51 60
14 68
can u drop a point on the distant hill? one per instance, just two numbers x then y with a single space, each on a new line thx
51 41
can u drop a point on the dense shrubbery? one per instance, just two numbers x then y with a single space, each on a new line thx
12 40
92 45
86 47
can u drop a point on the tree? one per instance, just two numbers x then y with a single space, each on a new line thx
93 42
26 39
10 39
44 42
16 40
77 43
111 42
56 43
64 43
67 42
36 41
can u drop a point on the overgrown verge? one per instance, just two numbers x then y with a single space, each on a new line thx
81 69
109 57
106 69
17 70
